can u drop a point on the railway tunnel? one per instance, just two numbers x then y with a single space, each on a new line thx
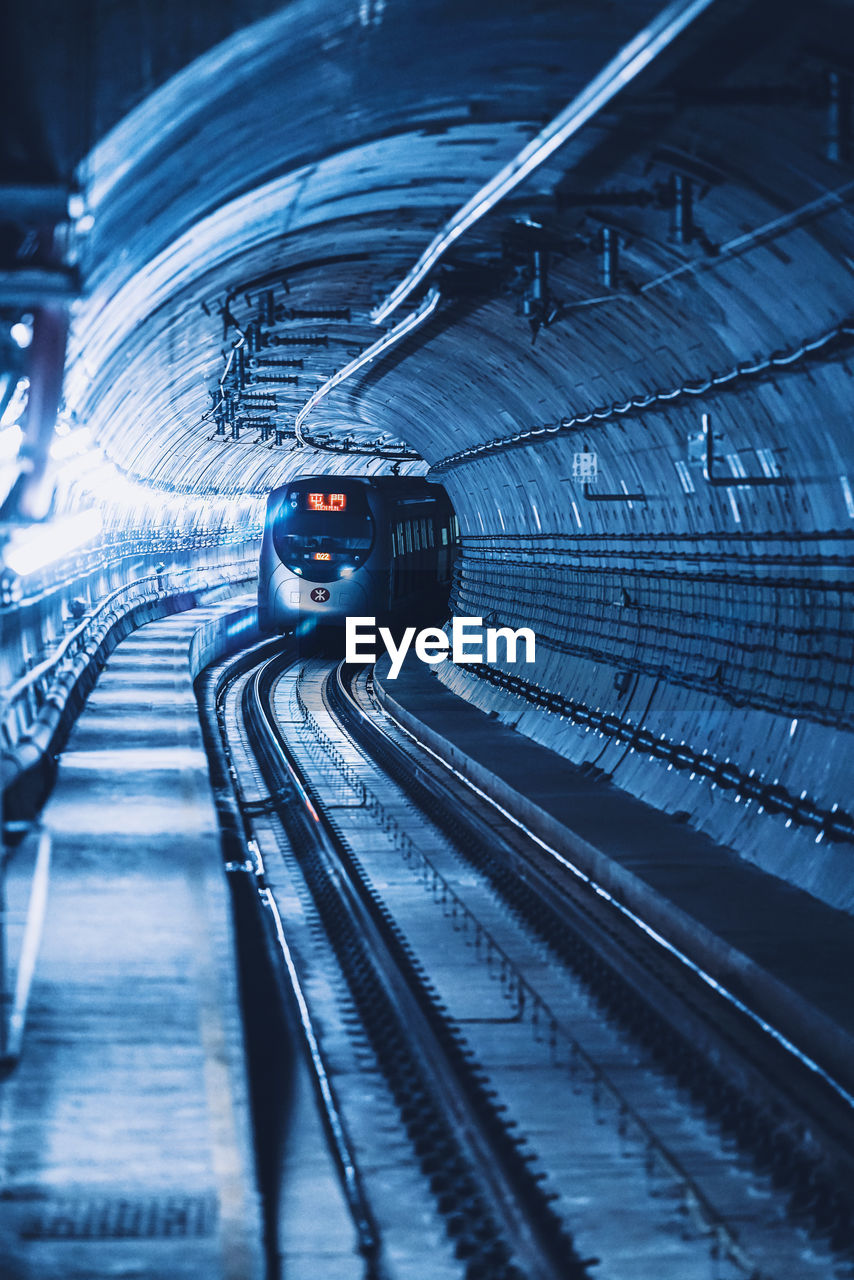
585 265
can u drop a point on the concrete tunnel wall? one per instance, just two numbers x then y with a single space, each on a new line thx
714 621
715 617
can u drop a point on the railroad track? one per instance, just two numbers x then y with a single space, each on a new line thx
545 1098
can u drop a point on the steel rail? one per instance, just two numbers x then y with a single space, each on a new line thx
817 1094
834 1086
347 706
367 1234
369 1239
503 1176
245 861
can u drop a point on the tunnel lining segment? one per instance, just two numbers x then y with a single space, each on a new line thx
631 60
732 922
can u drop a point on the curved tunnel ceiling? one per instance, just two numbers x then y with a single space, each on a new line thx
323 152
688 254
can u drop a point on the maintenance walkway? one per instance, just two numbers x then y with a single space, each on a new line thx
125 1140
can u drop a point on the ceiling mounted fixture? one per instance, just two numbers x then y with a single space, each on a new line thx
413 321
631 60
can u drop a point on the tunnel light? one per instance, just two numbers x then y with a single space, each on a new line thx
21 333
71 444
390 339
29 550
78 213
631 60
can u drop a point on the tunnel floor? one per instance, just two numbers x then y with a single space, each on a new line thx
773 945
124 1133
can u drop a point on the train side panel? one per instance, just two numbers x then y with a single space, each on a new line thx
375 548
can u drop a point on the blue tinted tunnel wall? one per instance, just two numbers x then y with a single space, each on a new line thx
683 264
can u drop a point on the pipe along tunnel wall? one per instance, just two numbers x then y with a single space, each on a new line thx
694 641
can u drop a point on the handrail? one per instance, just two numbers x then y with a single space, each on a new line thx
33 677
113 548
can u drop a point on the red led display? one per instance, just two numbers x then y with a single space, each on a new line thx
322 555
326 501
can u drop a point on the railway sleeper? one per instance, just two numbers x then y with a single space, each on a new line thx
760 1129
401 1067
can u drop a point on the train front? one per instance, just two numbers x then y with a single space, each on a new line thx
321 557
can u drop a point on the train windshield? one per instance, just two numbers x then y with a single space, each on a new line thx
324 536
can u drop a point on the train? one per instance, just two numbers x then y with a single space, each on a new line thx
333 547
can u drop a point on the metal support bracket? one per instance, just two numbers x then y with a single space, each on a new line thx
612 497
726 481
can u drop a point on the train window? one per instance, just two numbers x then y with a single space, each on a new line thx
323 536
444 533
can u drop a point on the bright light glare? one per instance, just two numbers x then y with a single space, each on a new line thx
82 464
17 404
29 550
84 476
21 334
10 442
71 444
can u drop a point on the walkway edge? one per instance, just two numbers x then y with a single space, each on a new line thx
810 1031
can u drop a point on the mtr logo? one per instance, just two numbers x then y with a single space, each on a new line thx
320 595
